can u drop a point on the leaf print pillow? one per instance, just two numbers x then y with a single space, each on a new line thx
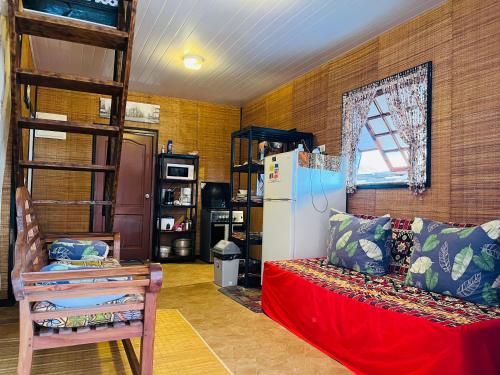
67 249
359 244
462 262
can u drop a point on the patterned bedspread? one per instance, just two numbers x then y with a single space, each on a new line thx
389 292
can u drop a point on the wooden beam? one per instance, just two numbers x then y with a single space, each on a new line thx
68 82
68 126
70 30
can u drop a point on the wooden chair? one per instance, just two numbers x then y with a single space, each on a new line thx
31 256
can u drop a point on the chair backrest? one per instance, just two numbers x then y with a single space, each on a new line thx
30 253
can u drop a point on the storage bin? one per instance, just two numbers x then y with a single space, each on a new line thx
99 11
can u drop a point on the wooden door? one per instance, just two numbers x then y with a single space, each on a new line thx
134 200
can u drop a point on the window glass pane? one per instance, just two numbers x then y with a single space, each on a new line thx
378 126
396 159
390 122
382 102
387 142
372 162
401 142
366 142
373 110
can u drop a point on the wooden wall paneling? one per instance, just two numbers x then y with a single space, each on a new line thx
356 68
191 125
310 103
5 180
475 149
461 39
417 41
279 104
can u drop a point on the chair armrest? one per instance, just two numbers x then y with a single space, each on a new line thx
115 237
148 278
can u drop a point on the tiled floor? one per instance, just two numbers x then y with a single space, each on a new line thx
248 343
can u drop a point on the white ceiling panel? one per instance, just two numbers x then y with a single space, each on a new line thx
249 46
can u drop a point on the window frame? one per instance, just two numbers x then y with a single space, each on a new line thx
399 185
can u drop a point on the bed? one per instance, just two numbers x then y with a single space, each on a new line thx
378 325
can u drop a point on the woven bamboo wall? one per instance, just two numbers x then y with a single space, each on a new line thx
26 62
461 37
193 126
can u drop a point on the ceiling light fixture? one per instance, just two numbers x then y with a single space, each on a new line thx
193 62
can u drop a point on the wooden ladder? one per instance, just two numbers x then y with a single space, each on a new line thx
120 40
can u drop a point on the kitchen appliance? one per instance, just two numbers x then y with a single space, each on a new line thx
183 246
186 196
297 203
215 227
215 195
168 196
179 171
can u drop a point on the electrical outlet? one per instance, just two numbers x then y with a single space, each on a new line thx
322 148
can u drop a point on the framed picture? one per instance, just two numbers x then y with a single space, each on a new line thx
138 112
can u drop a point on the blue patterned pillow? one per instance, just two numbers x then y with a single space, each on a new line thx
78 250
462 262
360 244
79 301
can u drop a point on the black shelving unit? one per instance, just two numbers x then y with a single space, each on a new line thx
290 139
167 237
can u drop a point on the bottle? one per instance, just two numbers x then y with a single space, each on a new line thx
163 149
169 146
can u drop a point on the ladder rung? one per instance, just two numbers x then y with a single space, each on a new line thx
70 30
68 202
66 166
68 126
68 82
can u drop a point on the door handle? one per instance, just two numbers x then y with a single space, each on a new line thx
147 196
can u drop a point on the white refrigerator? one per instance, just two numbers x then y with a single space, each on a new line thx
297 203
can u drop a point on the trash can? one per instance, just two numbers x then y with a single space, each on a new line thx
226 263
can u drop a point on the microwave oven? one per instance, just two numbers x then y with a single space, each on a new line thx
179 171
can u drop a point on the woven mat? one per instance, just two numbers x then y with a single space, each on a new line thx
179 349
248 297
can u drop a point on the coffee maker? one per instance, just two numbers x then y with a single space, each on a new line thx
185 196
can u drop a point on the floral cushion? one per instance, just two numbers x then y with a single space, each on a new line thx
359 244
81 265
78 249
462 262
90 319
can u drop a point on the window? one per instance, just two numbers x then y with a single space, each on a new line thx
382 154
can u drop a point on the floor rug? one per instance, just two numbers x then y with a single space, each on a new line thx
179 349
248 297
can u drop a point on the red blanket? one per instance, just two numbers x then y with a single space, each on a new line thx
377 325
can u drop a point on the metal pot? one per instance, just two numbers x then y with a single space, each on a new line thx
165 251
183 242
183 251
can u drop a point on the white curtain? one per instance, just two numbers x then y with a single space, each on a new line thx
356 105
407 100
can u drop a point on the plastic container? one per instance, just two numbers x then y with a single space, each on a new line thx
226 263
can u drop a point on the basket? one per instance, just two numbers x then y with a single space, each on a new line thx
98 11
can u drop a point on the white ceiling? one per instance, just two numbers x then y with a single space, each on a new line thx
249 46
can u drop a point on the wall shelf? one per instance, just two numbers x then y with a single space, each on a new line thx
246 165
166 237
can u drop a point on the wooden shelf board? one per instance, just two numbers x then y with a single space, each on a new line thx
66 166
68 126
70 30
68 82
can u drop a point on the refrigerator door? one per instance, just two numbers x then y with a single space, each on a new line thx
278 230
280 176
317 192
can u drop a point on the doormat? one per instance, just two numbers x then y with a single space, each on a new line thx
248 297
